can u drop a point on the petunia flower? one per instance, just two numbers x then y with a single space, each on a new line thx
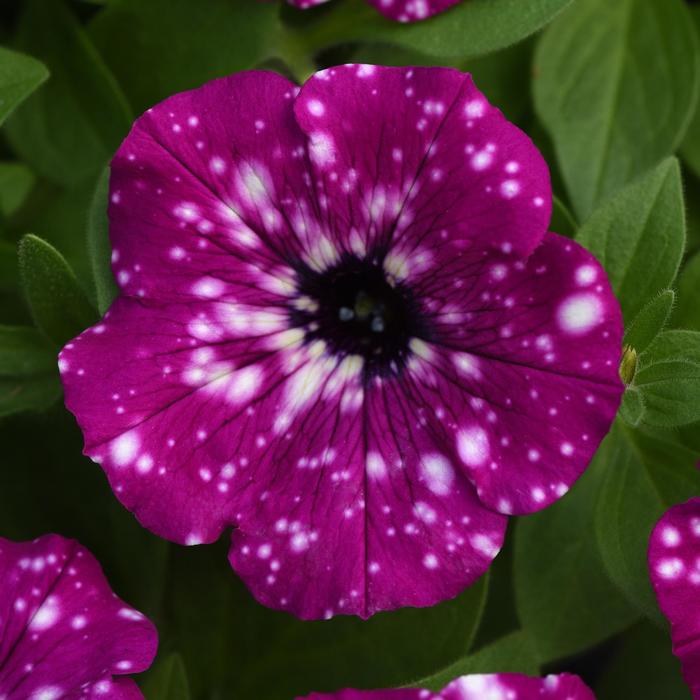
63 633
344 331
502 686
399 10
674 566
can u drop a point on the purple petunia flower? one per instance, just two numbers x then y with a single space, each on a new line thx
63 633
344 331
674 566
503 686
399 10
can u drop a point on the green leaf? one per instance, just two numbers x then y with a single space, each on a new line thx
176 45
168 680
563 221
59 216
500 616
270 655
18 394
25 352
639 236
469 29
513 653
16 180
632 406
668 376
650 321
57 303
692 202
9 275
20 75
99 246
615 84
69 129
687 314
690 148
642 667
28 373
565 599
645 476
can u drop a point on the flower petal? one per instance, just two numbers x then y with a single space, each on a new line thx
304 4
63 630
674 567
523 370
393 524
501 686
113 689
410 154
278 439
411 10
210 187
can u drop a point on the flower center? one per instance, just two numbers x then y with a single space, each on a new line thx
356 310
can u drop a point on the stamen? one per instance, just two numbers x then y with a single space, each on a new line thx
355 310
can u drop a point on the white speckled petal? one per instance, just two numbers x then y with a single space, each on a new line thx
674 568
63 633
498 686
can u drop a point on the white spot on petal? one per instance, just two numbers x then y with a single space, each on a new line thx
473 446
580 313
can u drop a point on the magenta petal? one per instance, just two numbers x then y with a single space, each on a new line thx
411 10
304 4
523 373
408 155
63 633
277 449
503 686
674 567
210 188
380 520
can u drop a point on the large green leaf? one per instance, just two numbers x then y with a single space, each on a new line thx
668 378
59 216
513 653
168 680
16 180
9 275
99 247
564 596
58 305
69 129
28 376
687 313
639 236
650 321
642 667
176 45
690 147
234 647
563 221
645 476
469 29
20 75
615 84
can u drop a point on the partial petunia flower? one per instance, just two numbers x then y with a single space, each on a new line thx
344 331
674 567
501 686
63 634
398 10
